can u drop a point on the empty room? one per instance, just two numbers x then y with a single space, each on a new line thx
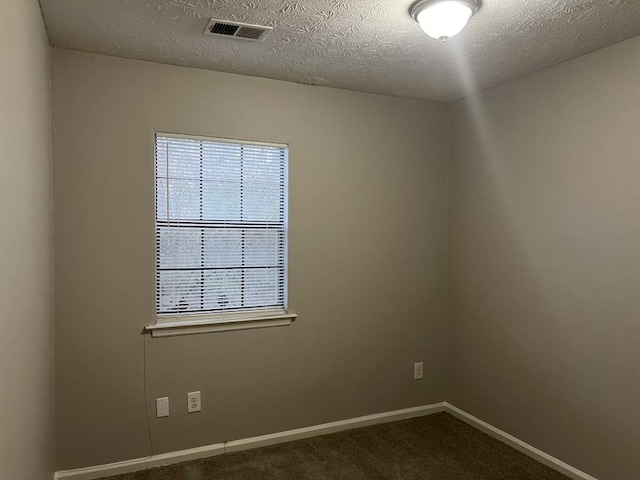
320 239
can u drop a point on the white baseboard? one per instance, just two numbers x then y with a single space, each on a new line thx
245 444
519 445
137 464
326 428
163 459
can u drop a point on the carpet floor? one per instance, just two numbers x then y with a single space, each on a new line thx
436 447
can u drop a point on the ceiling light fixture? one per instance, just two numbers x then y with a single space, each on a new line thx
442 19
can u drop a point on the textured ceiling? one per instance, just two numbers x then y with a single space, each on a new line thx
367 45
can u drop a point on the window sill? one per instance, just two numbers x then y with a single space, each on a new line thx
169 329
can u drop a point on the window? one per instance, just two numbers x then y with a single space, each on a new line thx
221 228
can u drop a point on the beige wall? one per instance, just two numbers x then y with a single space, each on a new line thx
544 262
368 194
26 317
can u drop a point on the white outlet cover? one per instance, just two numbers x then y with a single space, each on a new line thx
162 407
418 370
193 402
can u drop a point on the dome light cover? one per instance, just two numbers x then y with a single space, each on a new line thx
442 19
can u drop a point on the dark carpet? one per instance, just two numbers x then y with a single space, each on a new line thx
436 447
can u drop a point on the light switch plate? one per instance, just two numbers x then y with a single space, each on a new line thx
162 407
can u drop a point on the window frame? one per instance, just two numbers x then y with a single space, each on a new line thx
167 324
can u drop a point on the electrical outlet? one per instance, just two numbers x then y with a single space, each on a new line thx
162 407
418 371
193 402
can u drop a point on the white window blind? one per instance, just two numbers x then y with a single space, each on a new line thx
221 233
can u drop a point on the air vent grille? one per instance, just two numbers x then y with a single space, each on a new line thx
250 33
238 30
220 28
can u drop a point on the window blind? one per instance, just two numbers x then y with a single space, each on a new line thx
220 226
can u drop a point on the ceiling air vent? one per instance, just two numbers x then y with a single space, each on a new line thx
243 31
